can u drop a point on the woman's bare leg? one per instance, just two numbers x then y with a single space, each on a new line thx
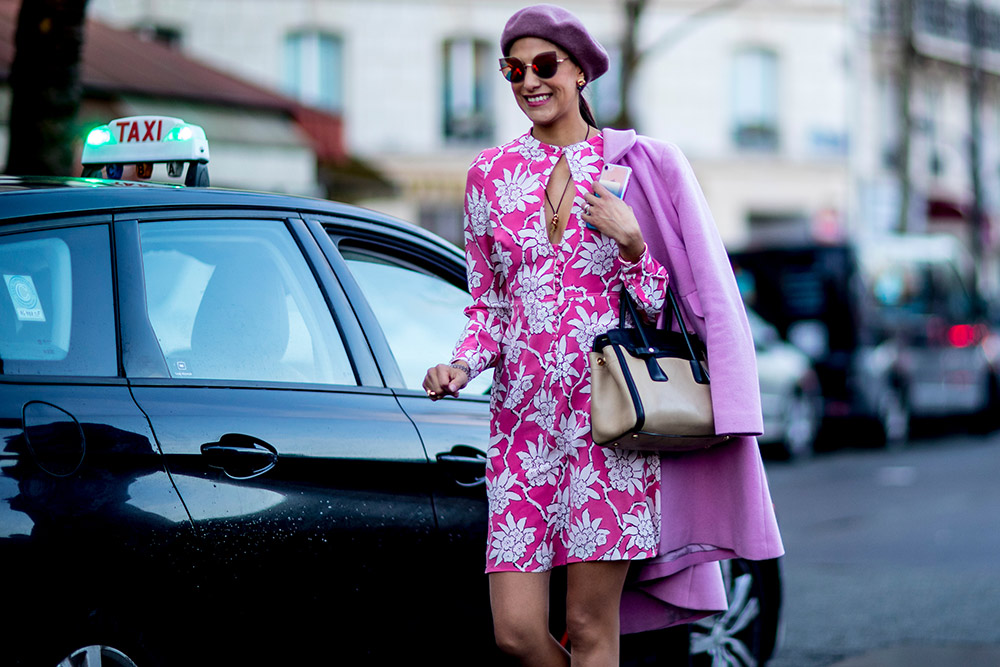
520 602
593 598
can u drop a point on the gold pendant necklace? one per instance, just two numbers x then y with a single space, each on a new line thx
554 222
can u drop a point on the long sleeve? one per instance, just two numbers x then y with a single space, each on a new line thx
479 344
645 280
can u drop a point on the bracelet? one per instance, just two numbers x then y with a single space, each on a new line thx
462 367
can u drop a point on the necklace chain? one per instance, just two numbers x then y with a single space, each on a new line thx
554 222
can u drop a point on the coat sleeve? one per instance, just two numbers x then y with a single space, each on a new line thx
715 298
479 344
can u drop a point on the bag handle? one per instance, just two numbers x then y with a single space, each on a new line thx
700 374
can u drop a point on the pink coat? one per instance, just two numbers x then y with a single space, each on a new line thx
714 504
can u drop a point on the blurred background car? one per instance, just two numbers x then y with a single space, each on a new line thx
790 396
924 286
814 295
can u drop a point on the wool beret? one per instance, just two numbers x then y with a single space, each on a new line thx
559 26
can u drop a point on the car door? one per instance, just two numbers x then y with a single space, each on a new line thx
414 287
91 529
307 483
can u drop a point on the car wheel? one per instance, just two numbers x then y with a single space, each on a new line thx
97 656
745 634
987 419
802 419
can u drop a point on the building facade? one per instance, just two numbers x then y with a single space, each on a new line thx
757 94
946 54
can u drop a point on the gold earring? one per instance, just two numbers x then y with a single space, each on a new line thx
581 82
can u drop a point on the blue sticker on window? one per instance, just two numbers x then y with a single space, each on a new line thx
24 296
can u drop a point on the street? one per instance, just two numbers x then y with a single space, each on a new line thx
892 557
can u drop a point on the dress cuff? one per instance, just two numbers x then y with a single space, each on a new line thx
473 371
630 266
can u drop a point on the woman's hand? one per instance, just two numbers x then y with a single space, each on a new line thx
614 218
445 380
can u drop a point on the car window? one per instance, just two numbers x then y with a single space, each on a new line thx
420 313
57 308
922 288
235 300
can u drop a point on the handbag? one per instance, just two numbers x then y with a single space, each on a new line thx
650 388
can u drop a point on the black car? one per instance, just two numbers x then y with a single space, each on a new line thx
215 448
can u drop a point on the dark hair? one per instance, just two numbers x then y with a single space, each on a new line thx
585 111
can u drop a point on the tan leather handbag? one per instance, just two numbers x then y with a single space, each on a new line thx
650 388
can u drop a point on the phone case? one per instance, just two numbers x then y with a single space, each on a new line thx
615 178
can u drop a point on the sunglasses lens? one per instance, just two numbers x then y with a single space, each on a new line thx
545 65
512 69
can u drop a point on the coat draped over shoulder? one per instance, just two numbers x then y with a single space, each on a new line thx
715 504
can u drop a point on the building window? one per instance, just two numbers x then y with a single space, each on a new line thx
166 35
466 90
314 69
755 99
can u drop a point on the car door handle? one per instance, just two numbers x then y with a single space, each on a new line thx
240 456
466 465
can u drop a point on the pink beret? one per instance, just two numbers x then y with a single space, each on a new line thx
559 26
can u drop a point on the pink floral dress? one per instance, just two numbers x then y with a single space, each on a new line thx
554 496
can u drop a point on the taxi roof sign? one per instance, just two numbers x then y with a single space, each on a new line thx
146 140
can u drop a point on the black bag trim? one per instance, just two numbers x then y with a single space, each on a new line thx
640 413
650 343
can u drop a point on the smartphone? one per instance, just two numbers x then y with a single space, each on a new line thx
615 178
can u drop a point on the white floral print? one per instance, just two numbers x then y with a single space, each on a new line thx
589 326
519 386
479 210
642 533
559 512
582 487
571 434
499 493
544 555
599 256
626 469
562 368
586 535
515 189
540 463
511 540
554 496
545 409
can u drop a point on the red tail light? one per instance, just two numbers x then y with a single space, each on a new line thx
966 335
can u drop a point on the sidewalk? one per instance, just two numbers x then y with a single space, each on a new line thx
968 655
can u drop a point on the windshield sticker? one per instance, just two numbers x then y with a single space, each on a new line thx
25 298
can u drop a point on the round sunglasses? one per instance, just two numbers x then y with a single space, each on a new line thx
545 65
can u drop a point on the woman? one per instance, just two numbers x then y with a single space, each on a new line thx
549 251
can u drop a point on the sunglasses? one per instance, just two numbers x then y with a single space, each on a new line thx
545 65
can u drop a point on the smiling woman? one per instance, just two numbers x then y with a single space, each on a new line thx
550 251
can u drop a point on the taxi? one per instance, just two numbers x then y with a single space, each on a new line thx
144 141
214 445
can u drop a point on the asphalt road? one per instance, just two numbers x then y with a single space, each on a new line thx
892 557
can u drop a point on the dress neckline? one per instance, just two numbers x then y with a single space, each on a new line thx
531 140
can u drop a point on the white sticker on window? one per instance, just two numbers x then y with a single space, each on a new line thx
25 298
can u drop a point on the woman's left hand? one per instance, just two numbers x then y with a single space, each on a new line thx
614 218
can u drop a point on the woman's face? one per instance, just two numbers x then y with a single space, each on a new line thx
546 101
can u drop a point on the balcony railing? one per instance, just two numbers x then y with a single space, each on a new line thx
941 19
